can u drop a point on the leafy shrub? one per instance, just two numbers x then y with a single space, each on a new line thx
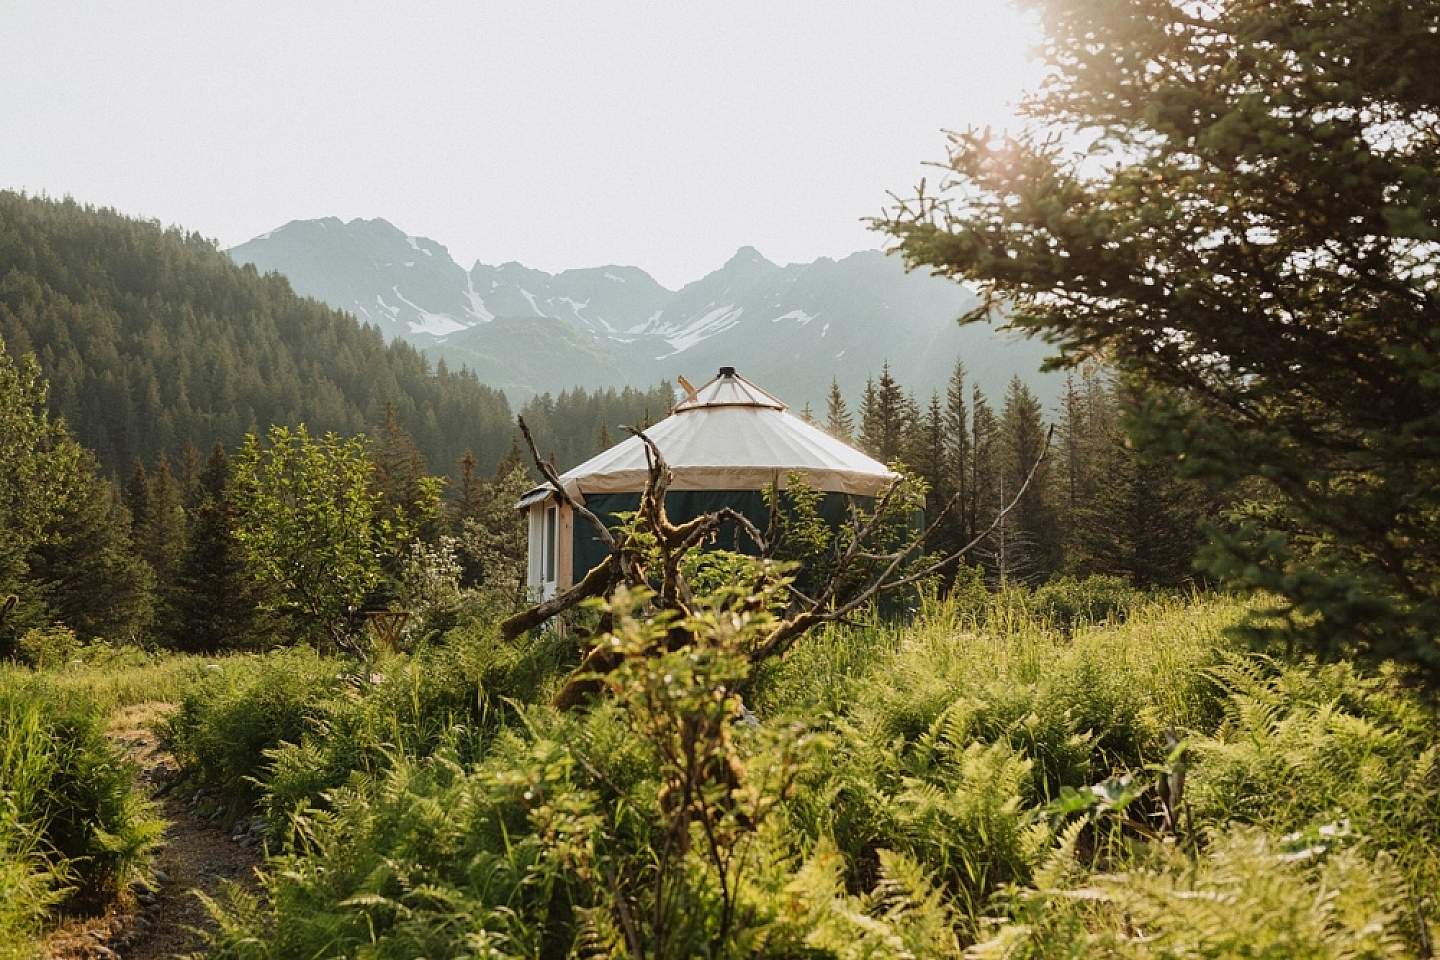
283 728
631 829
48 647
71 824
1070 602
233 715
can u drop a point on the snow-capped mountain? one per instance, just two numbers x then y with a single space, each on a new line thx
527 331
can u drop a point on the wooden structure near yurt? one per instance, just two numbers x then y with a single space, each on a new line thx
726 444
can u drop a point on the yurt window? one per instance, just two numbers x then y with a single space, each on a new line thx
552 526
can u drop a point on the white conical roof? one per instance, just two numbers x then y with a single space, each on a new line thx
729 435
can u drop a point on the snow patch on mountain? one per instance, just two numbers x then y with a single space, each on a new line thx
716 321
428 322
476 307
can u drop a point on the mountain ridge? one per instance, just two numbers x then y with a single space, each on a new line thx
796 325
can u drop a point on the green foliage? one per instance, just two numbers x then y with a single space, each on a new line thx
120 676
48 647
814 540
1234 203
312 528
1069 602
36 460
71 824
957 732
979 781
152 339
1249 896
1300 749
285 727
65 551
236 712
214 601
492 537
84 570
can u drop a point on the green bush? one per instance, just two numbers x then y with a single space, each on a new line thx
283 728
1070 602
46 648
71 823
240 709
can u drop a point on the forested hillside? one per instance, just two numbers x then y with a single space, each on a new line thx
152 339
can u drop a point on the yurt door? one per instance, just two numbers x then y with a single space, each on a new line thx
544 551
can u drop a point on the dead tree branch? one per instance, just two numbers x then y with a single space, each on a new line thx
823 609
548 472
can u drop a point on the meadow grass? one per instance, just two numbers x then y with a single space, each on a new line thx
987 779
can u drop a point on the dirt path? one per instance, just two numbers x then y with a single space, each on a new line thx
197 855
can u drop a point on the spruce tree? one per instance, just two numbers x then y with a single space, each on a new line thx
87 571
215 602
869 432
514 458
1136 517
838 421
1036 549
957 455
984 464
409 494
469 491
925 454
884 417
137 501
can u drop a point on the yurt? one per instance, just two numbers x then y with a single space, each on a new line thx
726 443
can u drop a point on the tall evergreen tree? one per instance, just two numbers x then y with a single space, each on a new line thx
1259 249
514 458
957 457
161 533
984 464
137 501
469 491
1036 538
1136 517
86 569
838 421
885 416
403 479
215 602
925 454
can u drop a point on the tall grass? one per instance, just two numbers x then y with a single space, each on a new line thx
122 677
72 828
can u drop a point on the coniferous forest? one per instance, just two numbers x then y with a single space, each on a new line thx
1148 672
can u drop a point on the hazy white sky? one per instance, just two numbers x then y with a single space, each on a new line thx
560 134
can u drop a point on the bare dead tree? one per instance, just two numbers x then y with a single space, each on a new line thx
649 552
